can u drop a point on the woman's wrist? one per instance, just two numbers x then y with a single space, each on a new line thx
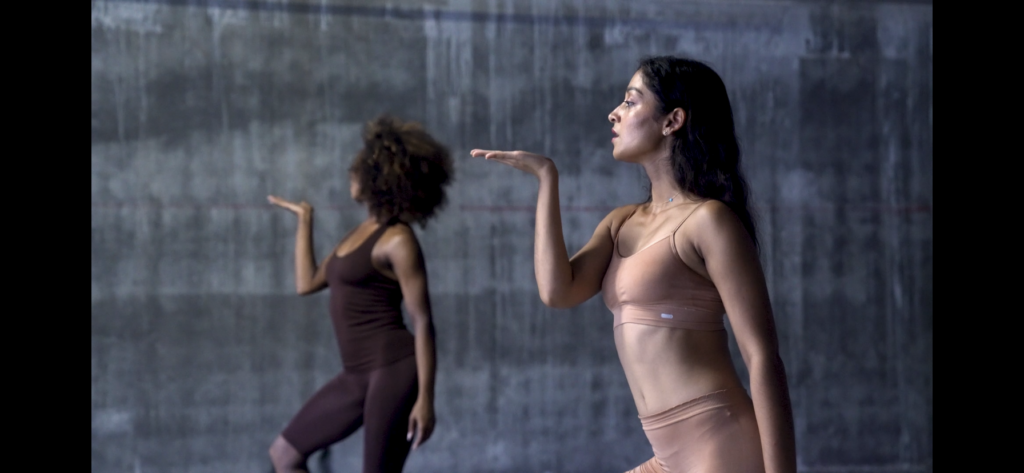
425 398
548 171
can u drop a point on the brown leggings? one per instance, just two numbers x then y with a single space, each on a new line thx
381 400
716 432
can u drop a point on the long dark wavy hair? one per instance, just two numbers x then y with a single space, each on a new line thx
402 171
705 154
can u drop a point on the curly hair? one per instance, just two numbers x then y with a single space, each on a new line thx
706 153
402 171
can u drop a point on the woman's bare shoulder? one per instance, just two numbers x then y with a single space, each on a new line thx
620 213
617 216
716 224
716 216
400 233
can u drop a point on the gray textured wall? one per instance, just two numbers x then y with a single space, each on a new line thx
201 352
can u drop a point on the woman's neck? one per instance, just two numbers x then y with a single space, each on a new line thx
664 188
663 183
371 218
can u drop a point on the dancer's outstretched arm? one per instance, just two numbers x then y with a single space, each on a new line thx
562 282
309 277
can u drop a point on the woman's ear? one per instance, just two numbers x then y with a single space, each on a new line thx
674 121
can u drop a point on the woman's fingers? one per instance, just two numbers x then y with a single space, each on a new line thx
493 154
510 158
297 208
419 430
424 434
419 436
412 428
273 199
481 153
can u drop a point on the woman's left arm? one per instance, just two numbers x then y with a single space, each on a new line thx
407 262
733 264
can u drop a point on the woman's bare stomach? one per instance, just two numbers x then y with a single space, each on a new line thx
666 367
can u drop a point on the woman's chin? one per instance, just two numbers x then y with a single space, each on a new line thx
621 157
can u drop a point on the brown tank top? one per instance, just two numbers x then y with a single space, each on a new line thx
654 287
366 310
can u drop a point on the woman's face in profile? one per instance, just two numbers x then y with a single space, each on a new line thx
636 131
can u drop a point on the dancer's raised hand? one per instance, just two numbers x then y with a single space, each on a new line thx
300 209
522 160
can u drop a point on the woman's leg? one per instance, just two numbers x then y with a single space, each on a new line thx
389 402
330 415
286 458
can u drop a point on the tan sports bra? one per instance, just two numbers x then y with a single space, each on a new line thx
654 287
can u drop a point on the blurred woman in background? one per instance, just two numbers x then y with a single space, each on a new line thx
387 385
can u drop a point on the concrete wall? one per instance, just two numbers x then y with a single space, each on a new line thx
201 352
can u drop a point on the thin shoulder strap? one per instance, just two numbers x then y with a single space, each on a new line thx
371 240
687 217
382 228
615 236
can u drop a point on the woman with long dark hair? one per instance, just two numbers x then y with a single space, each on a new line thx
387 385
669 268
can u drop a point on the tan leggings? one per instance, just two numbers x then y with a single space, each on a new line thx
714 433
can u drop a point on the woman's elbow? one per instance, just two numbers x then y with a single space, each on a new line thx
555 300
766 361
761 355
548 301
422 325
420 318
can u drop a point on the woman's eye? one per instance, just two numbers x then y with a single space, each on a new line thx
628 103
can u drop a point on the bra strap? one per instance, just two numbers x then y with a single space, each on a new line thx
615 237
687 218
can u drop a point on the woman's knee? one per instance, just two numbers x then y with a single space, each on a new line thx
284 455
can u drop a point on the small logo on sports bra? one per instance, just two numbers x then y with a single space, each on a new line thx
666 316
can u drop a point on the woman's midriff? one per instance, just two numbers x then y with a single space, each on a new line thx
666 367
